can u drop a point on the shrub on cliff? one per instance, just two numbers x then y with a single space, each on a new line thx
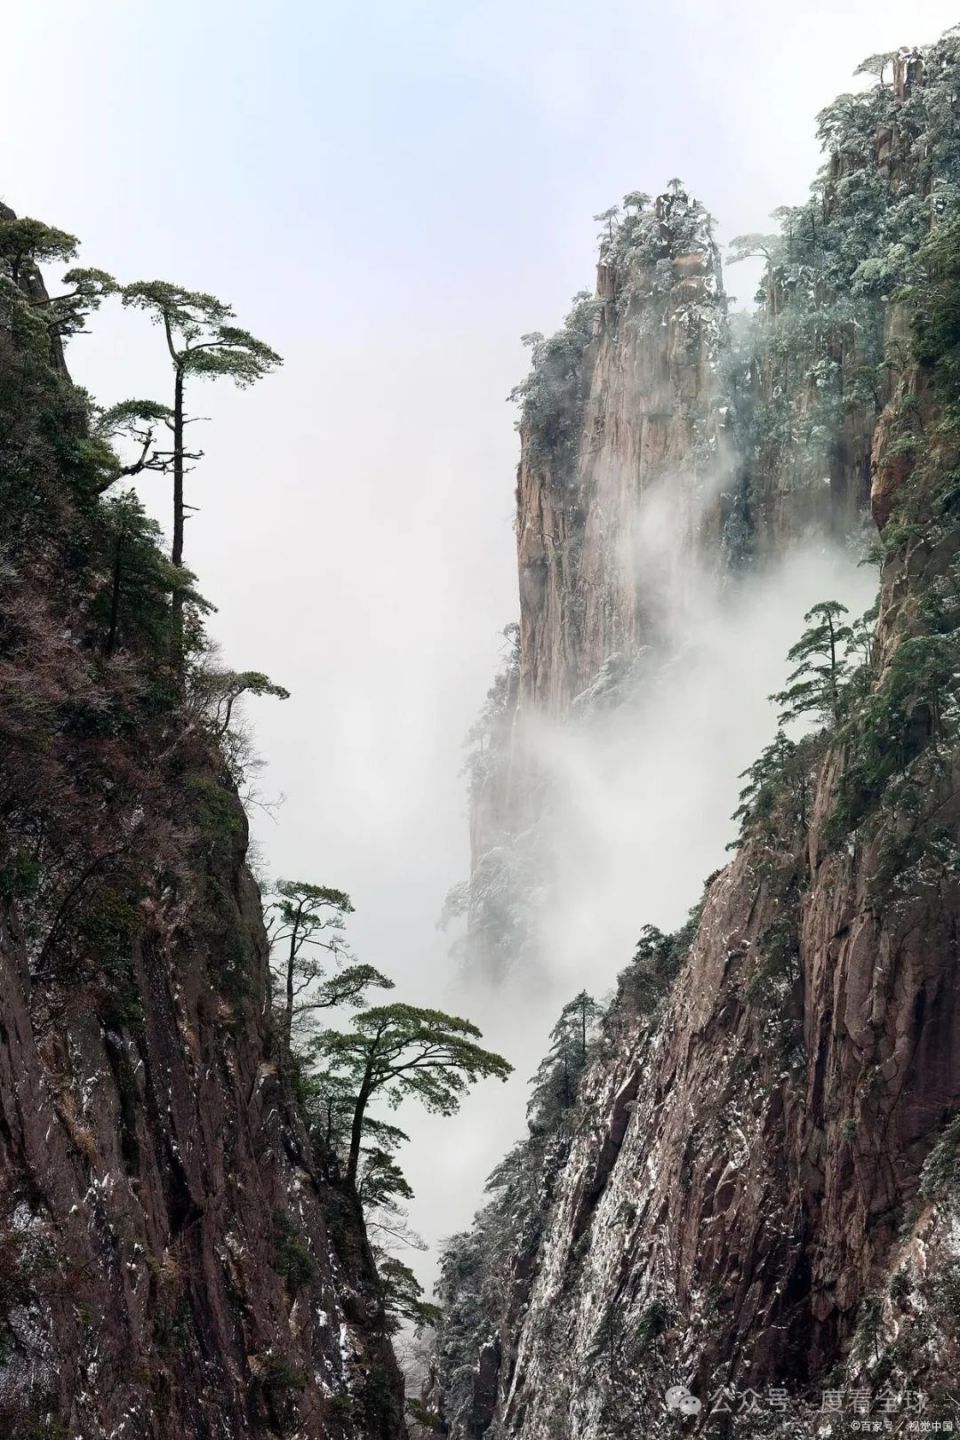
553 395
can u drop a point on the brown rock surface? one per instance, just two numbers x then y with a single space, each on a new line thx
174 1263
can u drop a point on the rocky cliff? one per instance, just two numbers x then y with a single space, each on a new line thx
173 1261
622 403
663 439
746 1224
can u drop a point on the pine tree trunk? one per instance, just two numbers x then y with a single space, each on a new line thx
356 1132
177 552
288 1012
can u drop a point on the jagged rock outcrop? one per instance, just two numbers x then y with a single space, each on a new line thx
631 408
661 441
625 491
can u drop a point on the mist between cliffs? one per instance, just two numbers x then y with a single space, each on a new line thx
613 814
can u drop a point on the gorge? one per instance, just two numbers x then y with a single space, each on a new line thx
733 1209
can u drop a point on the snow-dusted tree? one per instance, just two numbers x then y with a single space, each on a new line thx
303 919
754 246
877 64
609 220
815 686
558 1074
781 769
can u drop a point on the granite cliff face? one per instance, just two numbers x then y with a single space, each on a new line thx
153 1181
662 444
757 1181
636 412
742 1166
622 422
662 438
753 1199
174 1260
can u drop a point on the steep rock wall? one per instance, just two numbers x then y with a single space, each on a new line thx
742 1171
624 489
174 1261
646 419
757 1191
758 1195
151 1177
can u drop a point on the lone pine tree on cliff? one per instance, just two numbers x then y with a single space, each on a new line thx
815 686
397 1052
558 1074
302 919
202 344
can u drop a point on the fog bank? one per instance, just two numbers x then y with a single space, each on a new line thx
642 796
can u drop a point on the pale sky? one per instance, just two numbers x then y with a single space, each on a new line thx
390 194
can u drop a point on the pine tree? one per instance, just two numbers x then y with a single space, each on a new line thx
399 1052
781 763
26 243
134 604
302 919
558 1074
877 65
202 343
403 1296
815 686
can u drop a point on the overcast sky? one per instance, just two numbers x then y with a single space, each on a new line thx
390 194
